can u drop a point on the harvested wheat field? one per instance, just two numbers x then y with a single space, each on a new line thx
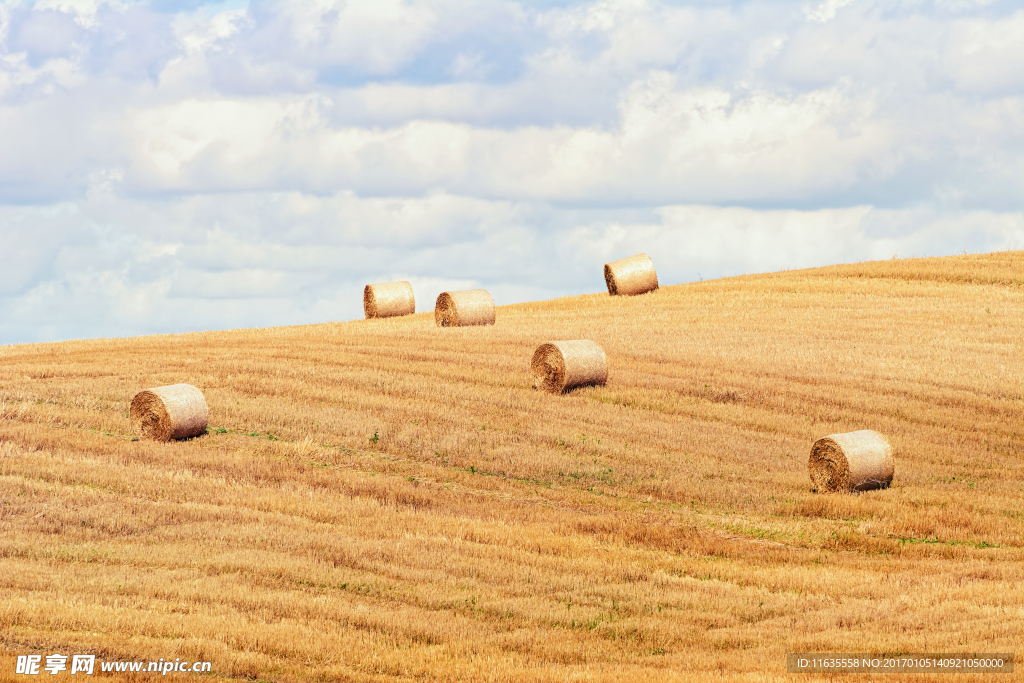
386 500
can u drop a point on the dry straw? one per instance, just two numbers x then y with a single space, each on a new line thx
461 309
629 276
388 299
857 461
177 411
559 366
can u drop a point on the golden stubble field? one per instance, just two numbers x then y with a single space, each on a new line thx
387 500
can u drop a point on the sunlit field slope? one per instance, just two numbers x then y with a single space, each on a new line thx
387 500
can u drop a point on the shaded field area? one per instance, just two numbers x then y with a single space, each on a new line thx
389 500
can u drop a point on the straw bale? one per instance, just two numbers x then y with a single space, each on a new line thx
388 299
177 411
856 461
559 366
461 309
629 276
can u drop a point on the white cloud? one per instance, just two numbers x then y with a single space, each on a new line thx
986 56
825 11
83 11
254 165
670 145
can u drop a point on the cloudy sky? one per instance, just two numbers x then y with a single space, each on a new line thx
170 166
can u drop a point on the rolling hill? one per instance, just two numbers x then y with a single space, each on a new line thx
388 500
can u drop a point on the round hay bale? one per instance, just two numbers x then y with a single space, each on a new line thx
461 309
559 366
388 299
856 461
177 411
630 276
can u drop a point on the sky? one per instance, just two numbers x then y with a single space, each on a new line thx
175 166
